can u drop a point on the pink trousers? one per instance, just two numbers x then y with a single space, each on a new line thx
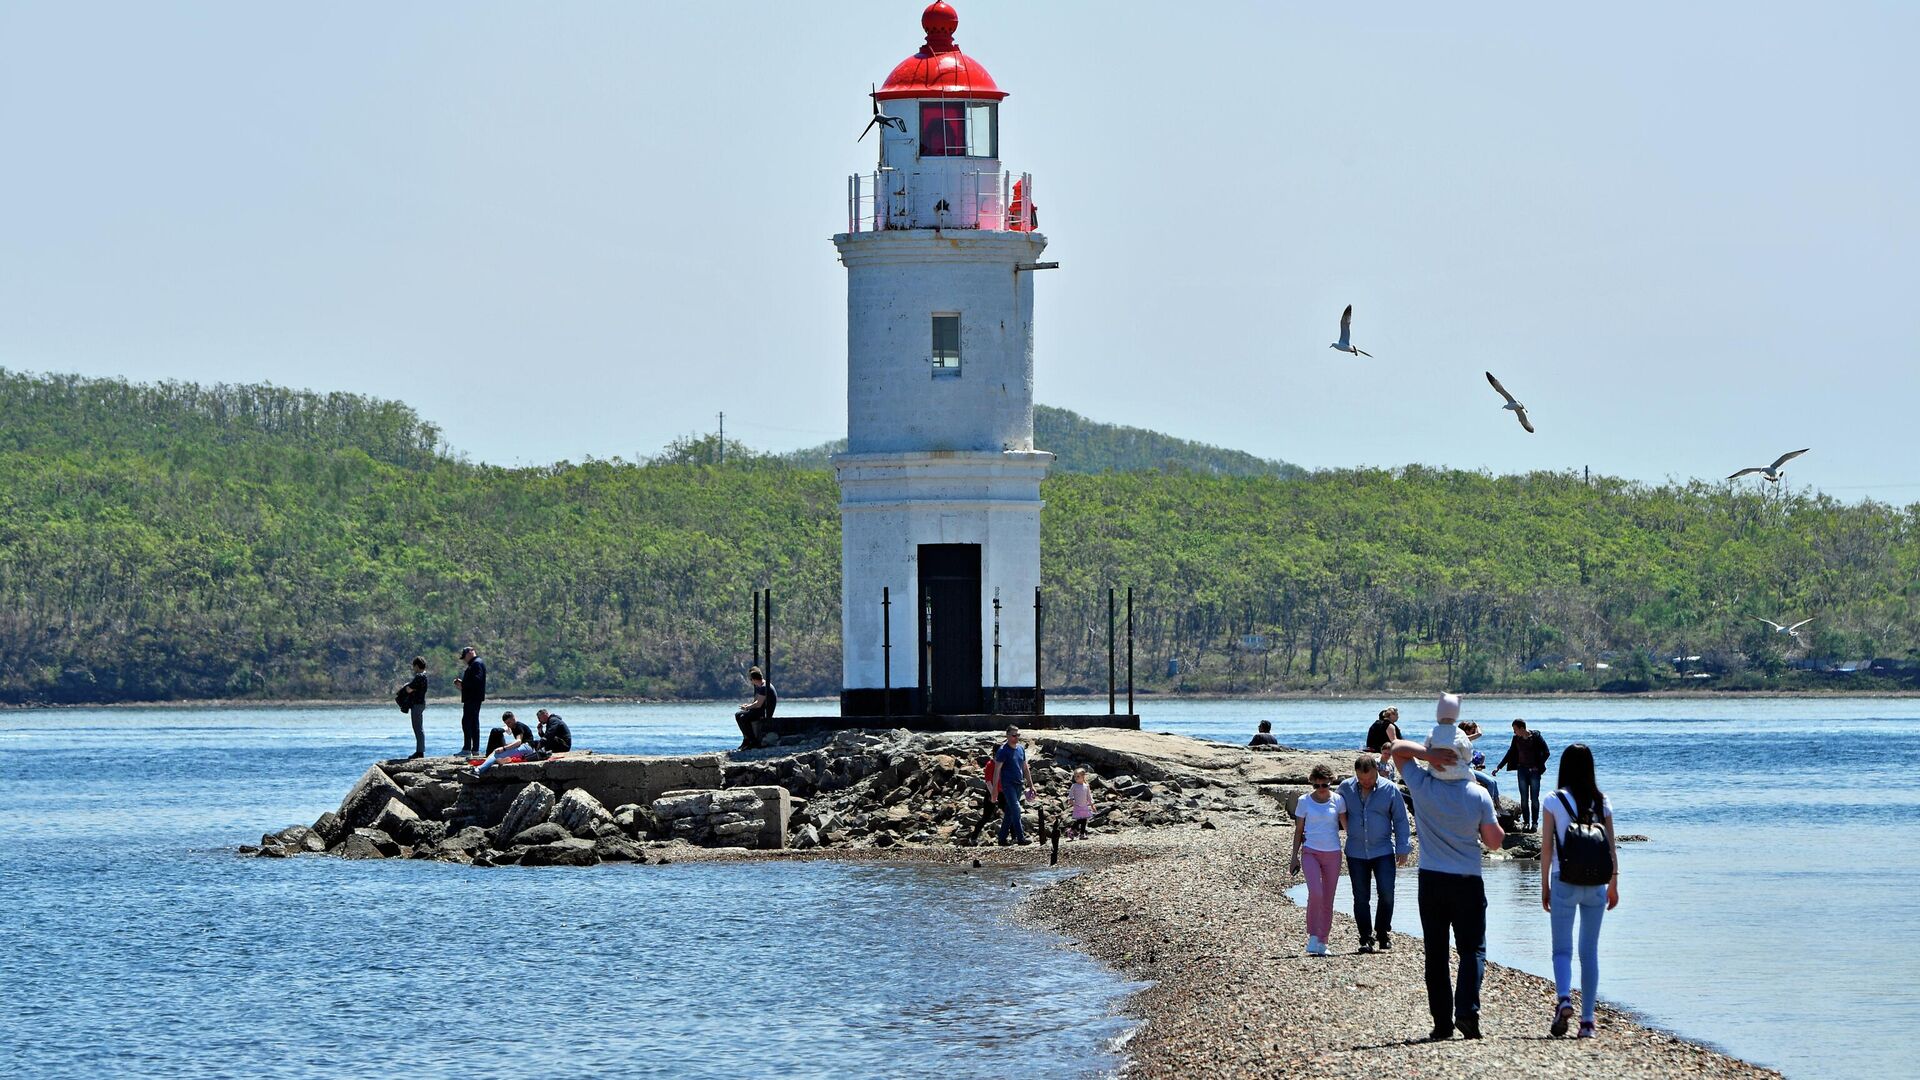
1323 874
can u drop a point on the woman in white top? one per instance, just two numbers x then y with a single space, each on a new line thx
1580 801
1316 828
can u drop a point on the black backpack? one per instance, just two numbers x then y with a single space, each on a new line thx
1585 858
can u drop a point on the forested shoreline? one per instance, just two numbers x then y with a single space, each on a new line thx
177 542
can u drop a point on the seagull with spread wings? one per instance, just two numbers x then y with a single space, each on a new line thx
1345 344
1519 411
1771 473
1791 631
880 118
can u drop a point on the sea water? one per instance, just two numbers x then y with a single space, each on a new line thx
1772 912
138 944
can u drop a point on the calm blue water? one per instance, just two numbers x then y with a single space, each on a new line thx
1769 916
139 945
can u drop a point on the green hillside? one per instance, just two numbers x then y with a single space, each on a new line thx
183 542
1088 446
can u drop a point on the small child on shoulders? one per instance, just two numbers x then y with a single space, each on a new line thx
1446 734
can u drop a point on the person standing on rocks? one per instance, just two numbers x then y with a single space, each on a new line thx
472 685
1374 816
1316 830
416 692
1528 755
1573 883
1010 775
1456 817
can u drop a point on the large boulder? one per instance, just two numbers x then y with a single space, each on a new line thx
397 820
568 852
547 832
368 797
579 813
330 827
529 808
619 849
294 840
468 840
381 840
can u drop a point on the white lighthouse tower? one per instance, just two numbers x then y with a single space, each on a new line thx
940 483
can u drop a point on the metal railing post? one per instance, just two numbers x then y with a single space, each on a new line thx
886 650
1110 658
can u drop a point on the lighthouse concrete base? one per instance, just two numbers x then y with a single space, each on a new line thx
766 731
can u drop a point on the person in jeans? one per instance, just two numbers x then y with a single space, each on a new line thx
518 749
1010 776
1375 818
472 685
416 691
1316 830
1527 754
1456 817
1579 790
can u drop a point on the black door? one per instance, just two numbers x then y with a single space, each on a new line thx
950 627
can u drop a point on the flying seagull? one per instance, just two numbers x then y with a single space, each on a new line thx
1345 344
1772 472
879 117
1791 631
1519 410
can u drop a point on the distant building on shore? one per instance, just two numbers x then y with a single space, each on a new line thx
940 481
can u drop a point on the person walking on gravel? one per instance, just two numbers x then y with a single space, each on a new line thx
1579 847
1316 829
1456 816
1375 818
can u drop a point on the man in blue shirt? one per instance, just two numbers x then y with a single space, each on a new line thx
1456 816
1376 823
1010 772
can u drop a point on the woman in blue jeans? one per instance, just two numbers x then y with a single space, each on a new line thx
1579 798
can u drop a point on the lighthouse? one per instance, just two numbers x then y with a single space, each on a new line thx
940 481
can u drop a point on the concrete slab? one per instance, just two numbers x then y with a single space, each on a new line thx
615 779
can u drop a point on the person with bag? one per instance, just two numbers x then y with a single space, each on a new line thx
412 699
1580 856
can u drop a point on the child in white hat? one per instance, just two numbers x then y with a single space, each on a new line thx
1446 734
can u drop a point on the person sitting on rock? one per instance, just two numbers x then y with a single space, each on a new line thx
517 750
760 708
1264 737
554 736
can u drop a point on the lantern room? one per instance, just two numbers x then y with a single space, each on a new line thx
939 154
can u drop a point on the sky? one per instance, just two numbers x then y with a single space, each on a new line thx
1684 235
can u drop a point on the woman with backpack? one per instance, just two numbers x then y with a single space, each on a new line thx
1580 861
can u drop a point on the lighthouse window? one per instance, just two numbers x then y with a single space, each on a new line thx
946 344
958 128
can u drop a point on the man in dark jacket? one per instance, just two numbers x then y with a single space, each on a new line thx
760 708
416 698
472 685
1527 755
554 736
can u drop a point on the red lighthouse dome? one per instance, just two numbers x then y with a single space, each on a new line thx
940 69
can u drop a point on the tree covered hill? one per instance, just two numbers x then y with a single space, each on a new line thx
183 542
1089 446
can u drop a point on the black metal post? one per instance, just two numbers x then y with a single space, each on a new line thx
1037 652
756 628
886 650
766 605
996 652
1129 650
1110 701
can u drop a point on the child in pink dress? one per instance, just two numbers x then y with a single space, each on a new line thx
1082 797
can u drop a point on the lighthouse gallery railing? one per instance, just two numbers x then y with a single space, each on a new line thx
910 199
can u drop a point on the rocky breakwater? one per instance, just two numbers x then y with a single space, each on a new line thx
888 789
546 813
